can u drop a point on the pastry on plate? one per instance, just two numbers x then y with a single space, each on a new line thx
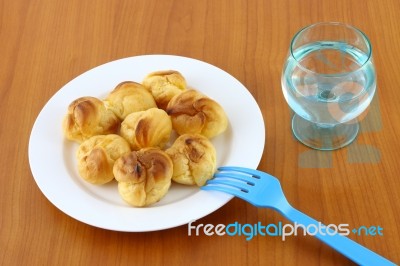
194 159
164 85
87 117
143 176
195 113
96 157
150 128
129 97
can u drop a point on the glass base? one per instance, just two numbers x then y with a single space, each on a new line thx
324 138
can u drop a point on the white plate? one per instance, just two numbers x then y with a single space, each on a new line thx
52 158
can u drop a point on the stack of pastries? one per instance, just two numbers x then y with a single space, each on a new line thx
128 136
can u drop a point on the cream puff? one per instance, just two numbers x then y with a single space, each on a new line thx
96 157
87 117
164 85
194 113
150 128
194 158
143 176
129 97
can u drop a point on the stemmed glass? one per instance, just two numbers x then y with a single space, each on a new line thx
328 80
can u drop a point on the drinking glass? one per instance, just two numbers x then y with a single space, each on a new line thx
328 80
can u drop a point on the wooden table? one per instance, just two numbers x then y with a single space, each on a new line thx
44 44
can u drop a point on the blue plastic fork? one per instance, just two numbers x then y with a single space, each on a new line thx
264 190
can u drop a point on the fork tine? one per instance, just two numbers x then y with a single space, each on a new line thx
241 170
236 176
228 183
244 170
232 191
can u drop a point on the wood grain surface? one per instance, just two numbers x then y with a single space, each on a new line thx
44 44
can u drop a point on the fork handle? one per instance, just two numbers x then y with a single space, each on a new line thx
352 250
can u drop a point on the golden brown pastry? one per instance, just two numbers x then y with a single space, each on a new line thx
143 176
164 85
96 157
194 159
150 128
193 112
129 97
87 117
